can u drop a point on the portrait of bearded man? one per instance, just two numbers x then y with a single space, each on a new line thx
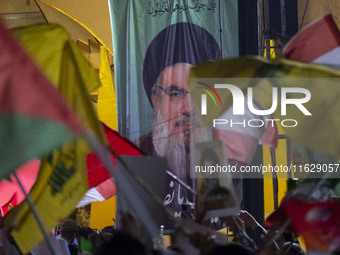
166 68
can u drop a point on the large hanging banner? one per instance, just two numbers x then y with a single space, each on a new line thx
156 42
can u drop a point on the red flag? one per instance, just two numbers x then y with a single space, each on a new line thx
101 192
318 42
317 222
101 185
10 190
96 171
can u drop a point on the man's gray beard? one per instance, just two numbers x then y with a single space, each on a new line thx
173 149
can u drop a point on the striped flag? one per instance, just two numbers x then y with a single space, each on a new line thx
34 117
62 179
101 192
101 185
96 171
319 42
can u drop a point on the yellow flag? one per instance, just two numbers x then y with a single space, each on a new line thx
45 43
107 107
319 131
62 179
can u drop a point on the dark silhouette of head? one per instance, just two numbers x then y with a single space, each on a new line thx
178 43
84 232
123 243
69 230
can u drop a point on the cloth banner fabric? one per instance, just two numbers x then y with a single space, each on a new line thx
135 24
155 44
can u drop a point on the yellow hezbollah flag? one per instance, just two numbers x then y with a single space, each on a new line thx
319 131
107 107
62 179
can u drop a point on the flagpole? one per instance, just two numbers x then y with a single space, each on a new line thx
36 216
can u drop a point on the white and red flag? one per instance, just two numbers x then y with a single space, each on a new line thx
319 42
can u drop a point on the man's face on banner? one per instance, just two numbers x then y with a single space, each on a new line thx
171 100
173 118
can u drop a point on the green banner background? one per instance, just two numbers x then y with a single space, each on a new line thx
134 25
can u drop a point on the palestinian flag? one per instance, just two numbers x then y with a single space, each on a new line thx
34 118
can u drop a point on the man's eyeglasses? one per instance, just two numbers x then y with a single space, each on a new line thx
174 92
